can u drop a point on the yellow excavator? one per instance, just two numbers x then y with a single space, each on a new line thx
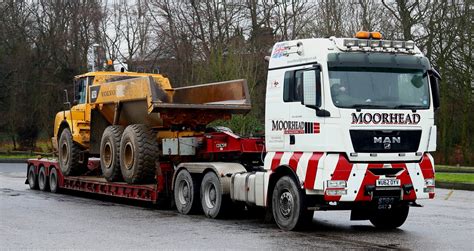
122 118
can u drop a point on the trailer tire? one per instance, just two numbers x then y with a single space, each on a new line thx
390 218
110 153
186 192
213 202
43 179
288 205
69 155
53 180
138 154
32 178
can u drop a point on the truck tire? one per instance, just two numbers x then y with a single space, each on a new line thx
32 178
288 206
213 202
69 155
138 154
390 218
53 180
110 153
42 179
186 192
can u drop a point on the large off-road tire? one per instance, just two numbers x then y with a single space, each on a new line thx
138 154
213 202
288 205
110 153
53 180
390 218
43 182
32 178
186 192
69 155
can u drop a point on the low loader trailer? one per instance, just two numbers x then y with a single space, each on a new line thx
349 125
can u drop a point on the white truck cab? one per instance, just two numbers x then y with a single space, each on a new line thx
351 122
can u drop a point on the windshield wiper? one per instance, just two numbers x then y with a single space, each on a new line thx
358 106
412 107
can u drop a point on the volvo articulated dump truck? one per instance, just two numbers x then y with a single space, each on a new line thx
349 125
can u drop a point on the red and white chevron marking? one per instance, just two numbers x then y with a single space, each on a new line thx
315 168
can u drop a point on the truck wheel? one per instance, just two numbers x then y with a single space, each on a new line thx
42 179
390 218
69 155
213 203
53 180
288 205
138 153
186 192
32 178
110 153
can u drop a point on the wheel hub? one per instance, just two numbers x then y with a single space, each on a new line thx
286 204
64 153
107 155
210 196
128 158
184 192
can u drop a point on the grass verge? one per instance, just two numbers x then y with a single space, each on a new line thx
455 177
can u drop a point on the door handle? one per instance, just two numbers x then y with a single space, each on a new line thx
292 139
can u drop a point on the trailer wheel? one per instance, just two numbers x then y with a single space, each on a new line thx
213 203
32 178
69 155
138 154
110 153
186 192
53 180
42 179
390 218
288 205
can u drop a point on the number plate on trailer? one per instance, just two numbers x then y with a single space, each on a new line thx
388 183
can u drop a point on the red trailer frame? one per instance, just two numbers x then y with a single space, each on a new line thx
95 184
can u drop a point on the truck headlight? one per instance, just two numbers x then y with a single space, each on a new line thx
336 184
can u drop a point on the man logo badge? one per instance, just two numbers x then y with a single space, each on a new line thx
387 141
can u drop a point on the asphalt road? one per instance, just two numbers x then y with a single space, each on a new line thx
40 220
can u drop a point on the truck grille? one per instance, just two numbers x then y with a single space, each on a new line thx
384 141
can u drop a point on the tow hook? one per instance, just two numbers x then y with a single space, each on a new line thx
407 188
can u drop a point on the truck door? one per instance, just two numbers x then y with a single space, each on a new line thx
304 134
80 99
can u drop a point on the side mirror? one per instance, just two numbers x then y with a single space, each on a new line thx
309 89
67 104
434 82
312 90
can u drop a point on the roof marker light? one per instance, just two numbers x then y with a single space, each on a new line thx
397 44
409 44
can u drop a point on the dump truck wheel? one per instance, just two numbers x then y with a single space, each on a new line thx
110 153
53 180
69 155
390 218
288 205
213 203
42 179
32 178
138 154
186 192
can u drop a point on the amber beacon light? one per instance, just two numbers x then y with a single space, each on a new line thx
367 35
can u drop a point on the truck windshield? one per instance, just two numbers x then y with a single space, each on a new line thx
388 88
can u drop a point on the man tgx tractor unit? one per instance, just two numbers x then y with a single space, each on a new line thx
349 125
